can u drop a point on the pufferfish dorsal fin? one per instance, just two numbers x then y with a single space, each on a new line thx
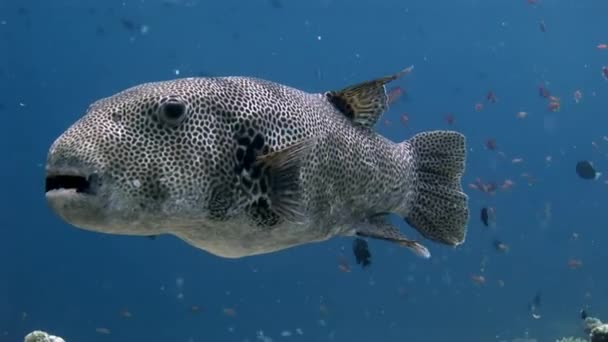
365 102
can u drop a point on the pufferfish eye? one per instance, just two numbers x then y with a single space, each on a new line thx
173 111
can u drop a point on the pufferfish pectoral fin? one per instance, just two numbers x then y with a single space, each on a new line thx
282 169
378 228
365 102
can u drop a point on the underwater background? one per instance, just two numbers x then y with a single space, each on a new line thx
486 68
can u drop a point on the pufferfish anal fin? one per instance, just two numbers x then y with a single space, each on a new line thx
282 169
365 102
377 227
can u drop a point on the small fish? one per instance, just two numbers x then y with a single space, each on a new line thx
485 217
491 144
478 279
152 237
103 331
491 97
543 92
394 94
362 253
534 306
584 314
450 119
585 170
230 312
575 264
501 246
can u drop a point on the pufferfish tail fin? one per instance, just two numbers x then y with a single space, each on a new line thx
438 207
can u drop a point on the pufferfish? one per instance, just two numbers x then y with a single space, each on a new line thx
241 166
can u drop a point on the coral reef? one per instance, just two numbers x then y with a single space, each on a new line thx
599 333
41 336
571 339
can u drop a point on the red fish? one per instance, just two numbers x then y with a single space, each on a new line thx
491 97
542 91
491 144
394 94
449 119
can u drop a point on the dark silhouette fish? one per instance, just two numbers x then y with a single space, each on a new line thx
585 170
362 253
485 216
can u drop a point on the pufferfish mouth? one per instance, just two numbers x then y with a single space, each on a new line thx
73 182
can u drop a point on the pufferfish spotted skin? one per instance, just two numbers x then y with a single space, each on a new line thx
240 166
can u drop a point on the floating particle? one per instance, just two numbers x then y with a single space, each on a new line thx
521 115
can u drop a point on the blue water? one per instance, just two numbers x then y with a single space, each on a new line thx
56 57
